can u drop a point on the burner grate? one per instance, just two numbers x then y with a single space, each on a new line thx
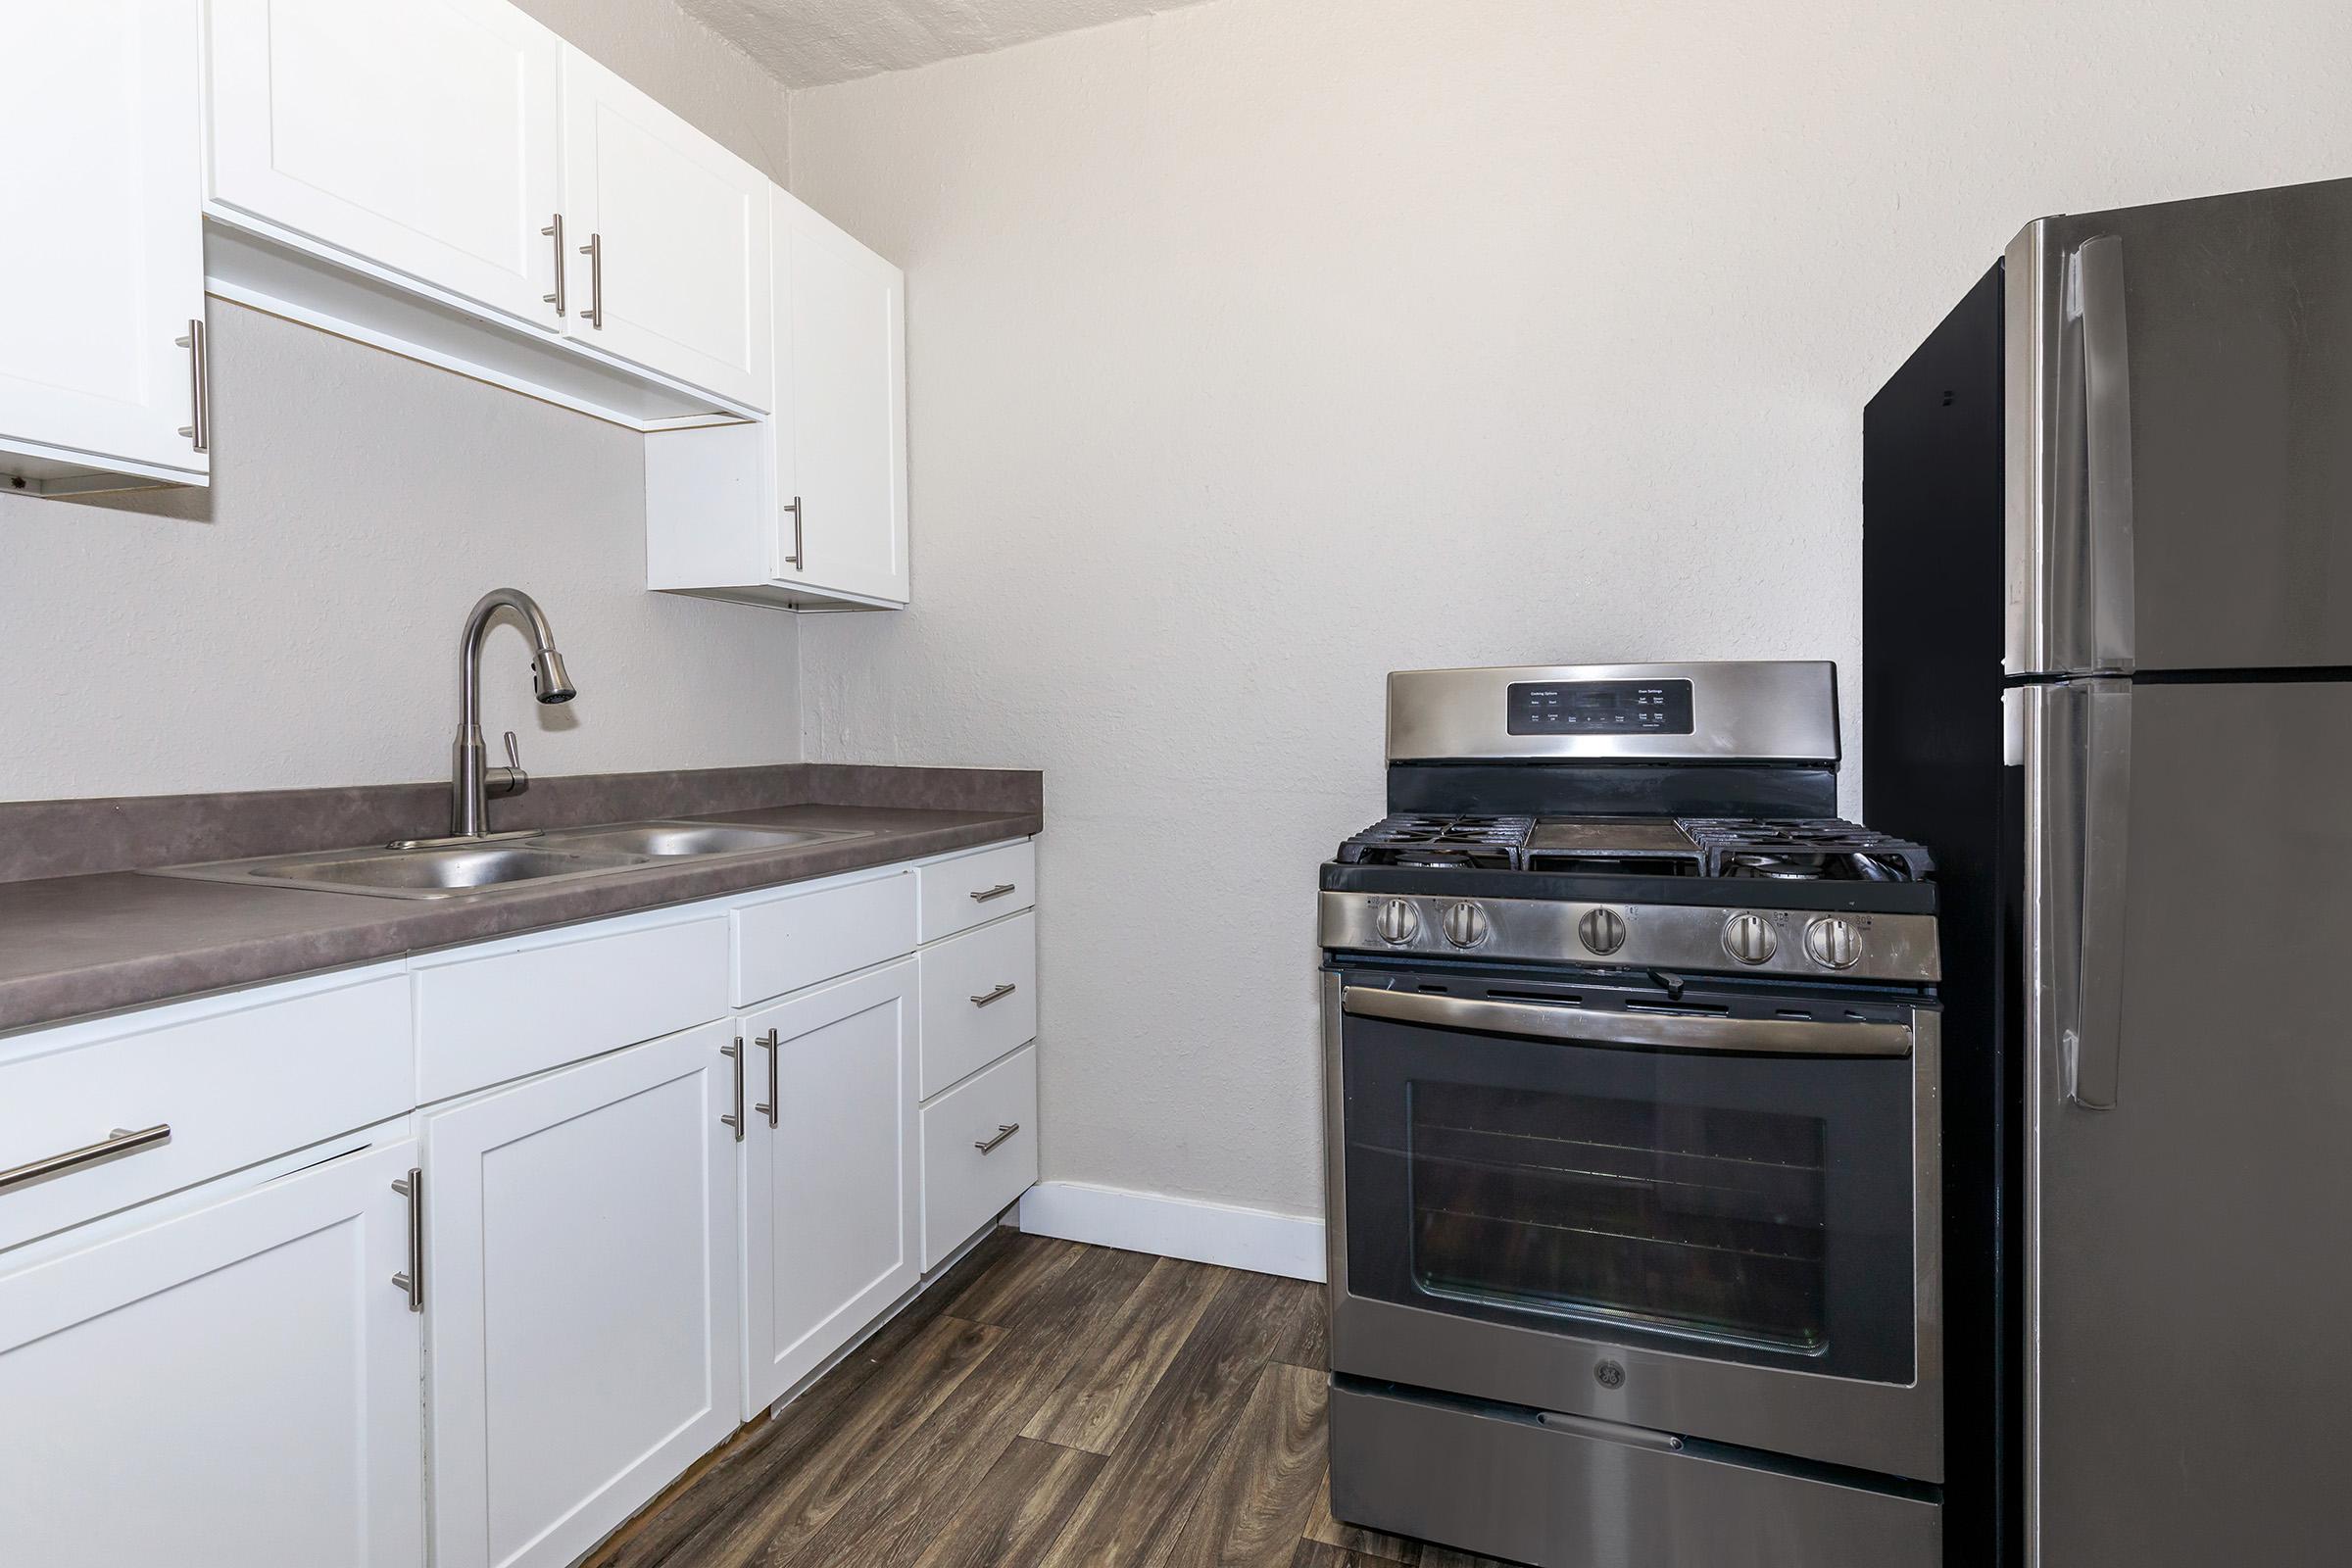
1772 848
1805 849
1480 843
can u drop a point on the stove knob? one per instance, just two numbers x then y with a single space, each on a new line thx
1750 938
1601 931
1465 924
1834 943
1397 921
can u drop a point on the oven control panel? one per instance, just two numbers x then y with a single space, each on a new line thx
1598 708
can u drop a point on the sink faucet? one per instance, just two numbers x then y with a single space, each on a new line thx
472 782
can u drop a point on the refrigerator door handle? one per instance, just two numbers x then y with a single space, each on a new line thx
2096 269
2091 1020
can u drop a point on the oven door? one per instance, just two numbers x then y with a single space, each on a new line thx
1715 1217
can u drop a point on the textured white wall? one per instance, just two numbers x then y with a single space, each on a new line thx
297 623
1263 346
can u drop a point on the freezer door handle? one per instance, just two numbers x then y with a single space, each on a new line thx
2097 295
2090 1009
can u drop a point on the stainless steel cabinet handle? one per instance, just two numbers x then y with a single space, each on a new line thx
734 1053
555 231
114 1146
2098 266
774 1047
1005 1130
199 428
1659 1031
798 545
413 1279
594 250
998 995
983 895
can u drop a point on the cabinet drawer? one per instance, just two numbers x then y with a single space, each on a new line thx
962 1184
963 892
970 1017
522 1006
237 1079
801 937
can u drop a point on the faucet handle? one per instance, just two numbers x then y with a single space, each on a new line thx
501 783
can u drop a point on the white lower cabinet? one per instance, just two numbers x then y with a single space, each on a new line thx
580 1282
829 1172
979 1152
597 1273
235 1386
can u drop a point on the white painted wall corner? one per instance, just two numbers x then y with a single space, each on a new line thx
1255 1239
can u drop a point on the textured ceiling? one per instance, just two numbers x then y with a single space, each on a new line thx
804 43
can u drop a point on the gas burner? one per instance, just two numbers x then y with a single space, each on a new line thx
1479 843
1775 867
1805 850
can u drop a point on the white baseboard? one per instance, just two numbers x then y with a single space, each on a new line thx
1255 1239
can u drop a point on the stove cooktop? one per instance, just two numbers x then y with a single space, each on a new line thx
1765 849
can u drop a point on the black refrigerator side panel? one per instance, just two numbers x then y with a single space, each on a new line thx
1932 770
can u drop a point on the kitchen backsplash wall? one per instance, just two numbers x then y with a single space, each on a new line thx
297 624
1262 346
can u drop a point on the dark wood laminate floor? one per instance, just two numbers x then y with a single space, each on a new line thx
1047 1406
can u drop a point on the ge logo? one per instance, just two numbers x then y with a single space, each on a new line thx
1608 1374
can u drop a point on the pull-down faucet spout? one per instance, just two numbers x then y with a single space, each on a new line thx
473 781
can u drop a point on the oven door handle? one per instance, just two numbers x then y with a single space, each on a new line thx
1637 1031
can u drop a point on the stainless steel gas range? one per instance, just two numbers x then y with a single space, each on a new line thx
1635 1191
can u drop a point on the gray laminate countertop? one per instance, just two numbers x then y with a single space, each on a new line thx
76 946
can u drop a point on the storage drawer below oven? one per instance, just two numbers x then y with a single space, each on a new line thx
1493 1480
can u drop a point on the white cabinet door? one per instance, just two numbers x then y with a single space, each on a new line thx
830 1178
423 136
235 1386
841 415
669 239
580 1278
102 268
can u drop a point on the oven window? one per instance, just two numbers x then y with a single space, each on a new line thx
1693 1217
1738 1206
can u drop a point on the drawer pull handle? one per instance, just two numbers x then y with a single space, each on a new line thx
998 995
1005 1130
114 1146
983 895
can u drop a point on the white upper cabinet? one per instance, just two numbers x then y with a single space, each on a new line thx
668 239
231 1387
841 420
810 511
421 136
102 270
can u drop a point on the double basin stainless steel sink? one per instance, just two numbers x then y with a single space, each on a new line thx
442 870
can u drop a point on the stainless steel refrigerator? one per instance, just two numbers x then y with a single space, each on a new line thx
2107 680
